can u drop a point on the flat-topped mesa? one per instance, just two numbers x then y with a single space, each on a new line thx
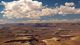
4 21
41 29
47 21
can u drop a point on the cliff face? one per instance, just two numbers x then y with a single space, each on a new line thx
41 31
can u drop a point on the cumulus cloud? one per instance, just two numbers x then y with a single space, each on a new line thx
35 9
68 8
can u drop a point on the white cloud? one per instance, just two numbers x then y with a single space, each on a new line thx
34 9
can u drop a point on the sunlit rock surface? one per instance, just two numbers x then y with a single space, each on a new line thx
46 33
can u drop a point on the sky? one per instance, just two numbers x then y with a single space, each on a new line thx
54 3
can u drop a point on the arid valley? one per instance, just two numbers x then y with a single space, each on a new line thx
40 34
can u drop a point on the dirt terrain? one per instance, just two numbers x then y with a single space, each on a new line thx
40 34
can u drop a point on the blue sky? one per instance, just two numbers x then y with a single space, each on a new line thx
51 3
